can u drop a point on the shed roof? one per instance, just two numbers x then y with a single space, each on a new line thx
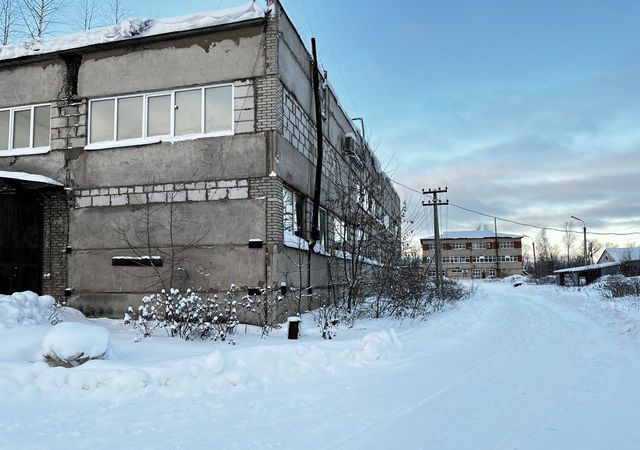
586 268
130 29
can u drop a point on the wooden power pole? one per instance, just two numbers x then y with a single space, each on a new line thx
435 202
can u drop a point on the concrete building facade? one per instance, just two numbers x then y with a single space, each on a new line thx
116 153
475 254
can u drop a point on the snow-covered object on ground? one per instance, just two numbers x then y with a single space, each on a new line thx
25 308
70 344
132 29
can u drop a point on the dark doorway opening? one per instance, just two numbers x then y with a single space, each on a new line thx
21 222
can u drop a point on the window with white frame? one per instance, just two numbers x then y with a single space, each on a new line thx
322 226
289 211
477 273
458 246
25 128
293 212
492 272
202 111
479 245
506 244
484 259
339 232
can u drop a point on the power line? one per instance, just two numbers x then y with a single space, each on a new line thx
523 224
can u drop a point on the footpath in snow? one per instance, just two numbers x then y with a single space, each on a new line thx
532 367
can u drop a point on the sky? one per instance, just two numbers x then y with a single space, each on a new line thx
528 110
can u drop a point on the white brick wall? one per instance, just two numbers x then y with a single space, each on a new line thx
163 193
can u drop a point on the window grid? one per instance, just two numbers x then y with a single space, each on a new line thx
11 131
145 115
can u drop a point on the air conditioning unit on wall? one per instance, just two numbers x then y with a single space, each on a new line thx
350 144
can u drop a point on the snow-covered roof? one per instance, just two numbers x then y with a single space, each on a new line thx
474 234
623 254
29 177
589 267
132 28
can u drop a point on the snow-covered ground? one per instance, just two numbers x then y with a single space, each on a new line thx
528 367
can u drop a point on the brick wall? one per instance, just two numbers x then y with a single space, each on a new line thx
55 237
270 188
162 193
268 88
68 123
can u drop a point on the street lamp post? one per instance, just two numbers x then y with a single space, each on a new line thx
533 243
584 230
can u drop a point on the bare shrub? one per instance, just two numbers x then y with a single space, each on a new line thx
265 307
615 286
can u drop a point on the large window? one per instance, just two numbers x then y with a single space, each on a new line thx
506 244
293 214
322 226
339 232
25 129
203 111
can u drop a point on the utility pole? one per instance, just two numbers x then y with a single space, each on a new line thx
435 202
495 231
584 231
533 244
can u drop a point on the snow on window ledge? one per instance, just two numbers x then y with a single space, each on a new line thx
119 144
25 151
293 241
152 140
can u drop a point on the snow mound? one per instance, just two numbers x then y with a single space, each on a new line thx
516 279
133 28
25 308
70 344
215 371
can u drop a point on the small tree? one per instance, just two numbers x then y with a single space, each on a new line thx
115 11
8 17
88 12
39 16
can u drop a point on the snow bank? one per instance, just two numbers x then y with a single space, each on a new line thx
212 372
132 29
25 308
70 344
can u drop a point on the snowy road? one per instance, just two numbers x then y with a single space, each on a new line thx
514 368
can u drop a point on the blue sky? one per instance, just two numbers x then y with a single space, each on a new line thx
524 109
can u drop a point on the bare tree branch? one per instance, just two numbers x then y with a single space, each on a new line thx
116 11
8 20
88 12
39 16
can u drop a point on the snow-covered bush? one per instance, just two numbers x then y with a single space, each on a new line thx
69 344
327 319
265 308
221 317
25 308
449 292
614 286
185 315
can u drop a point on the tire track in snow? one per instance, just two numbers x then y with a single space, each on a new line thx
537 414
503 353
